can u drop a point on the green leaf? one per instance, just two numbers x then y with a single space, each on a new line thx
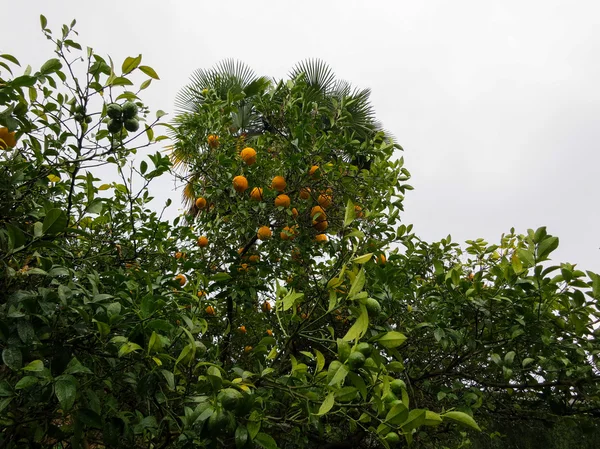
121 81
26 382
339 375
35 366
462 418
327 404
358 284
548 245
12 358
38 229
415 419
10 58
359 327
265 441
55 221
128 348
359 383
320 360
5 403
43 21
289 300
130 64
75 367
528 361
220 277
15 236
349 215
23 81
145 84
253 428
392 339
50 66
509 358
149 71
241 436
432 419
397 414
170 378
362 259
344 349
65 389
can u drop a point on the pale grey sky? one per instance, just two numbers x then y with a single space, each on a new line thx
496 104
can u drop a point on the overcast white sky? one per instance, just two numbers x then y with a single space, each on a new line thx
496 104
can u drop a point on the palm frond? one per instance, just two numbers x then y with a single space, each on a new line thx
228 75
317 74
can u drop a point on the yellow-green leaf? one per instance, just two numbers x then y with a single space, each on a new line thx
327 404
363 259
130 64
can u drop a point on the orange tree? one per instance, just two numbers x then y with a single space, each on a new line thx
297 191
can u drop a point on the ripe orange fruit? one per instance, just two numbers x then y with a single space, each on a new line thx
243 267
324 201
178 255
314 171
248 155
254 258
201 293
381 260
317 213
287 233
294 213
210 310
305 193
304 316
7 139
266 307
200 203
213 141
257 194
282 201
320 226
247 349
269 332
181 278
321 238
203 241
264 232
242 329
358 212
278 183
240 184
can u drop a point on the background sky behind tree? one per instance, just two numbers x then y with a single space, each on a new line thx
496 104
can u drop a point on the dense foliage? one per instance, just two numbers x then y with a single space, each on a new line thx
290 307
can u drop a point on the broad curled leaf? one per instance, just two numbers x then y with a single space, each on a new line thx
391 339
462 418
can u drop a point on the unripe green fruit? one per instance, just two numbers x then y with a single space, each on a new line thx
114 126
392 438
229 398
365 349
129 110
132 125
373 306
397 385
356 360
88 119
79 117
218 421
114 110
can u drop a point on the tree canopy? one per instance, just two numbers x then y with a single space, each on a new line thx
290 307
